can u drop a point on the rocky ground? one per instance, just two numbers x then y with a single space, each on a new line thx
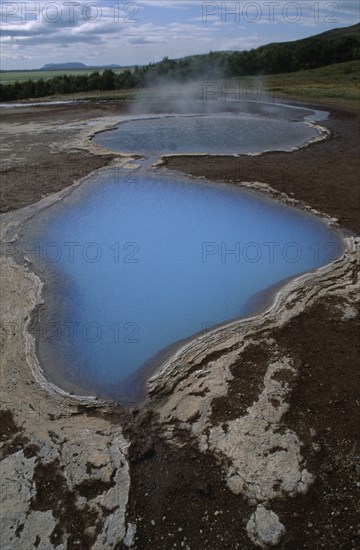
253 441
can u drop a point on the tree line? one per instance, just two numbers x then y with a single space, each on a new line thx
271 59
296 56
67 84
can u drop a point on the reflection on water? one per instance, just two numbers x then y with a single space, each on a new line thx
217 133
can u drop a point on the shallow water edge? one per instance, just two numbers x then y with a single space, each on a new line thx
17 223
198 347
313 122
316 334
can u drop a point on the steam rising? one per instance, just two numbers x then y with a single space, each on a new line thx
210 96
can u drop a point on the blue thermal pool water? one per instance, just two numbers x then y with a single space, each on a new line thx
133 265
214 134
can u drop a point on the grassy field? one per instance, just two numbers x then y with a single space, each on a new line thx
9 77
336 85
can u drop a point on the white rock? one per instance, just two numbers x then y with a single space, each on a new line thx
16 473
130 534
264 527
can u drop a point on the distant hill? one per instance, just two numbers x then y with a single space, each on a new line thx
62 66
74 65
334 46
334 35
331 47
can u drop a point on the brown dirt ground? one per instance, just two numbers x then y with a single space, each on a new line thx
185 487
176 491
39 171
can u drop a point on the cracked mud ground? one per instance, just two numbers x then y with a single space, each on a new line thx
178 495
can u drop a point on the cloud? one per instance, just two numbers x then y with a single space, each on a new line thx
171 4
243 43
16 57
147 30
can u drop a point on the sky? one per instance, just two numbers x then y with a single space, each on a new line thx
34 33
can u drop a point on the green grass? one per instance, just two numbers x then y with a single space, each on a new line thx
336 85
10 77
121 95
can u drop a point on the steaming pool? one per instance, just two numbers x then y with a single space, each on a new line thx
137 262
134 266
221 133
